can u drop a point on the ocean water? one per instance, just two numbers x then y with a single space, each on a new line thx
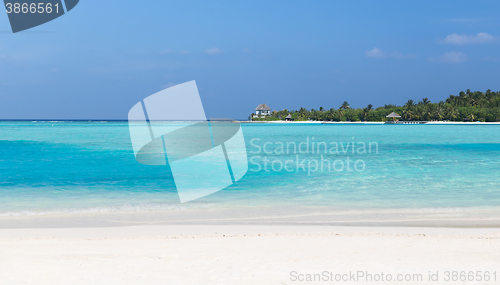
61 173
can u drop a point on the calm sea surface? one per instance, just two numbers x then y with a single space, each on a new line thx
298 173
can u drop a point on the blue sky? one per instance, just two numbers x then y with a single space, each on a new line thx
102 57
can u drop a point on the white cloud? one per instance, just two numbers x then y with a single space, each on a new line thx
213 50
378 53
481 38
375 53
452 56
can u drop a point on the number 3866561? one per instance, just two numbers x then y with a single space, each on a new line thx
31 8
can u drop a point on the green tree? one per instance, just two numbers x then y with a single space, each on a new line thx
466 105
345 106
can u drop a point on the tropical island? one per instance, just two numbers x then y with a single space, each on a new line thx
467 106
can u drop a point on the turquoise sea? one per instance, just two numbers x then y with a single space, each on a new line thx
83 173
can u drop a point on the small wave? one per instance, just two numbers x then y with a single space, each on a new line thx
434 210
428 210
102 210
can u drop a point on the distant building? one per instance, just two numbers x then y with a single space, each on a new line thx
289 117
263 110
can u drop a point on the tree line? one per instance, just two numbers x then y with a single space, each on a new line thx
466 106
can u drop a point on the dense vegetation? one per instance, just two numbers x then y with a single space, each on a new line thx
466 106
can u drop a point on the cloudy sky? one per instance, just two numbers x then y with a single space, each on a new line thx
102 57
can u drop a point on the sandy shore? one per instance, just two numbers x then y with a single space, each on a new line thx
245 254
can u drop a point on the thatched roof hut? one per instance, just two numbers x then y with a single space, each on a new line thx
262 107
393 115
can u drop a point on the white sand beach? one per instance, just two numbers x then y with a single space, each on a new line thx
248 254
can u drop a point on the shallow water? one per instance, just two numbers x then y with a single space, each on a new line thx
334 174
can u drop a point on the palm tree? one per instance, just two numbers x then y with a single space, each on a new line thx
341 113
407 114
410 104
453 114
425 101
474 102
439 114
345 106
330 114
365 113
302 112
367 110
